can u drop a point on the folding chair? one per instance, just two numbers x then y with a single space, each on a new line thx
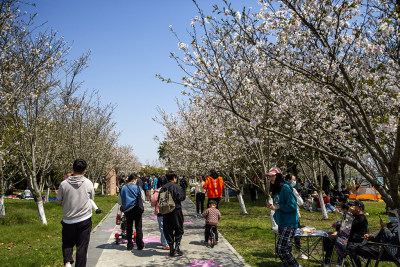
389 249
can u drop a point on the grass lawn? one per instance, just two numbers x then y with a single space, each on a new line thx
253 239
24 241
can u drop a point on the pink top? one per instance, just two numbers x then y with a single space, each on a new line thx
154 201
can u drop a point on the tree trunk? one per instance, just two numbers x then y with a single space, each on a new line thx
2 190
343 175
47 195
102 189
323 209
39 204
226 195
2 208
241 202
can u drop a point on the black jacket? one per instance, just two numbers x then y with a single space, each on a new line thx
359 228
177 193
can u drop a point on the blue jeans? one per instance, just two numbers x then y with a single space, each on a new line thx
329 207
160 226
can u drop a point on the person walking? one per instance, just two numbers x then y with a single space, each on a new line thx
214 186
173 221
131 198
155 204
288 220
74 194
200 195
155 183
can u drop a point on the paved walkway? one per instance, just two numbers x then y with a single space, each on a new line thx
103 250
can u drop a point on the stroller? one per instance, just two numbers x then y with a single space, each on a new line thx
121 220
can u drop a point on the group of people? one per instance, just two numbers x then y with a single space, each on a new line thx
148 184
76 195
350 234
170 221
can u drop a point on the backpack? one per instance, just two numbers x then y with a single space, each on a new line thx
165 203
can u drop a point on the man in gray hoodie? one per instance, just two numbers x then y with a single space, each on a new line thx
74 194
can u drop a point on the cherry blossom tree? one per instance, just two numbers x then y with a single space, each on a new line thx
46 122
321 74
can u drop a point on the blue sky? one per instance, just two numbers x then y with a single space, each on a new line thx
130 42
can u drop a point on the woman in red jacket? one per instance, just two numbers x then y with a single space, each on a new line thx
214 186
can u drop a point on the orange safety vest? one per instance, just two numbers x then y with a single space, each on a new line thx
214 187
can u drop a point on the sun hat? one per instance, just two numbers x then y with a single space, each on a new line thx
273 171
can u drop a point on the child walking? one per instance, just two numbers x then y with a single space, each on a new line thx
212 216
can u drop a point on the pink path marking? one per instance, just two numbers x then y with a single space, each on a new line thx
206 263
188 223
111 230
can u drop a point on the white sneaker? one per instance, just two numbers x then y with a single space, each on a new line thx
302 256
68 265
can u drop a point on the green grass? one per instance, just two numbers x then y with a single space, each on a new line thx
253 239
24 241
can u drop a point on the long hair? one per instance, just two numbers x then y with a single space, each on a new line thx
277 186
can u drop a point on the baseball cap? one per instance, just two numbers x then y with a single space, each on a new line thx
273 171
357 203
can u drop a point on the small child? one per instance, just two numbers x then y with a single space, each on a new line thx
308 203
212 216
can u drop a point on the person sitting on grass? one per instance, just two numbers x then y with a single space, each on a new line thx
212 216
345 193
329 207
308 203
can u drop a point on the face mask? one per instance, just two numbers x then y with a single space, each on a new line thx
393 219
294 183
